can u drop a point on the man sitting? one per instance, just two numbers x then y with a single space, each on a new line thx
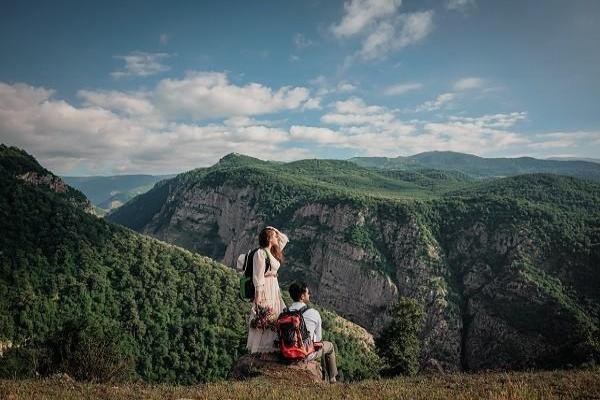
312 319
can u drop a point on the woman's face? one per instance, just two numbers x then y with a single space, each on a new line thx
272 235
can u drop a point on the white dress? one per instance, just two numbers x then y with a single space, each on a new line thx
262 341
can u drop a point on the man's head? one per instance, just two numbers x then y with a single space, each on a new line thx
299 292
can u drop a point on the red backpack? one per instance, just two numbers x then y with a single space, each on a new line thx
295 342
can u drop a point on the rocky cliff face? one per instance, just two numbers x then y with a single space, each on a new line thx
489 292
57 185
223 222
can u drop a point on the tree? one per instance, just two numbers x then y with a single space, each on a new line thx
399 345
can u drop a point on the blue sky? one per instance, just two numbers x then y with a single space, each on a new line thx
155 87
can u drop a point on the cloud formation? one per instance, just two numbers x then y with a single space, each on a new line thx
114 132
459 5
211 95
139 63
439 102
395 90
382 28
469 83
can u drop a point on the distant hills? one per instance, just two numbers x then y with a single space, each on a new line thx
434 169
481 167
594 160
109 192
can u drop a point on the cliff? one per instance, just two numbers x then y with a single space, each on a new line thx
507 281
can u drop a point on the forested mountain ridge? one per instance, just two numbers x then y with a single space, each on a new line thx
17 164
506 268
484 167
68 277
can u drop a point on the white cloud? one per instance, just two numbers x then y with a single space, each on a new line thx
440 101
355 105
100 140
211 95
119 102
360 14
375 130
118 132
402 88
345 87
139 63
493 120
469 83
302 42
324 87
459 5
384 30
315 134
394 34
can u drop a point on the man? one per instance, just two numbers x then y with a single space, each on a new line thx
312 319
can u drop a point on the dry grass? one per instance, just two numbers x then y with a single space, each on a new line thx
583 384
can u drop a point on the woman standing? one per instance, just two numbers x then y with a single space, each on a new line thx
267 293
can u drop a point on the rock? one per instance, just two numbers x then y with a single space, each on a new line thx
272 366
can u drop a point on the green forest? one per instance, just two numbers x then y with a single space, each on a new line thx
73 286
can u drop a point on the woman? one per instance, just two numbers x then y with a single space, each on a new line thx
267 293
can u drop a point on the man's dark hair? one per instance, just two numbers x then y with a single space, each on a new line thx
297 289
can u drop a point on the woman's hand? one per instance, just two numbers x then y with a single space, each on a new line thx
275 229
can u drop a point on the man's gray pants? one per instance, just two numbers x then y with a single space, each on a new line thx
327 354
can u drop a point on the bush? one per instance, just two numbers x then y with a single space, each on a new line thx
90 350
399 345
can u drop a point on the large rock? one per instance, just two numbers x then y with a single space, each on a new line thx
272 366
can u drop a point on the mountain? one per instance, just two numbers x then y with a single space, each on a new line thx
594 160
507 269
108 192
68 277
483 167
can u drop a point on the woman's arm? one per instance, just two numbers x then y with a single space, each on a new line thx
258 275
282 238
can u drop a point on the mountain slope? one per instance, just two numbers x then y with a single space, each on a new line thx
177 312
485 258
484 167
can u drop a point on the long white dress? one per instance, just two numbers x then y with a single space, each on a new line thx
262 341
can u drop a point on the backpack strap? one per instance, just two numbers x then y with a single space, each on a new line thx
303 309
268 261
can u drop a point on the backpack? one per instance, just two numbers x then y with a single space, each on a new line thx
246 283
294 340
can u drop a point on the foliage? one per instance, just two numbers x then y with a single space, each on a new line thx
85 296
98 351
398 344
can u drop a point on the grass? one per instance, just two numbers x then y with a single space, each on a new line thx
575 384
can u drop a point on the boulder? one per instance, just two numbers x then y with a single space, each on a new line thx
274 367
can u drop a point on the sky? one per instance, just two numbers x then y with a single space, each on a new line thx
126 87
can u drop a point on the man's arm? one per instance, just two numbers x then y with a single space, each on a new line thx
318 329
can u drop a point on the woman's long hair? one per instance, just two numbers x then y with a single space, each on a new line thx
263 241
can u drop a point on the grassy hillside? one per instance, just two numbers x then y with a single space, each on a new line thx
68 278
583 384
